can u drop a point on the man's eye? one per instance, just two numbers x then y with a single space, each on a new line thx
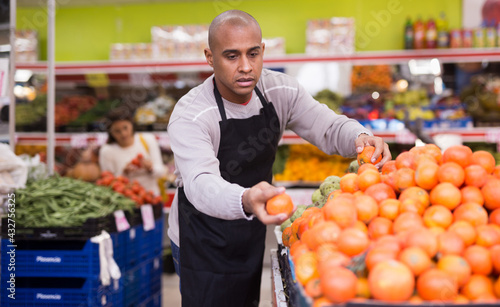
254 54
231 57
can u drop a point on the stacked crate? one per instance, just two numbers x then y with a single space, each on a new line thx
61 266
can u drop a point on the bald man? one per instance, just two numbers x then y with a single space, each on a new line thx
224 135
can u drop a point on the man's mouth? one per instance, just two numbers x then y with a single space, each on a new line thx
245 82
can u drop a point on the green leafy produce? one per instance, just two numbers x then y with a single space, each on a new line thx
282 155
66 202
28 113
331 99
96 113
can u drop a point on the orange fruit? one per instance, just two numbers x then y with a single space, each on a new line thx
423 238
426 175
437 285
416 259
471 212
306 267
361 226
407 221
380 191
378 227
338 284
411 205
446 194
367 166
389 179
476 286
472 194
457 267
461 299
479 259
366 207
495 257
487 235
348 183
366 156
389 242
417 193
363 288
450 243
389 208
451 172
388 167
392 281
496 287
496 172
406 159
378 254
327 232
495 217
367 179
297 249
285 236
491 193
465 230
328 255
475 175
438 215
458 153
434 151
342 211
313 288
352 241
281 203
322 302
484 159
404 178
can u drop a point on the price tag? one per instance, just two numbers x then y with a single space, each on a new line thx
97 80
121 221
79 140
148 219
101 138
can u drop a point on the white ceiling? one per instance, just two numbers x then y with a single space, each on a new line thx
37 3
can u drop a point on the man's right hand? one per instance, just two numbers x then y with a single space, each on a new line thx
254 202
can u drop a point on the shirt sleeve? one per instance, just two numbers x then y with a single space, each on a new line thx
196 161
159 169
106 160
316 123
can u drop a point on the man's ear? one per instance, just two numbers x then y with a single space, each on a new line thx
209 57
263 47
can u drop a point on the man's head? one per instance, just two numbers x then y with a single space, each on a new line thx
235 53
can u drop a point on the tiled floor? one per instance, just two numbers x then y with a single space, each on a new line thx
170 282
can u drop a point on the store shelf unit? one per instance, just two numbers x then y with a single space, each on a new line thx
196 65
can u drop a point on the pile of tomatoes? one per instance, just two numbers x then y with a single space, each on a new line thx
426 227
132 190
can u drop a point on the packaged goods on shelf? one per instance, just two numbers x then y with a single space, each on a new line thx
330 36
275 46
179 41
124 52
26 46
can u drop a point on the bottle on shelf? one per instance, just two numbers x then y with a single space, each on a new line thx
443 35
431 34
419 34
478 36
490 35
409 34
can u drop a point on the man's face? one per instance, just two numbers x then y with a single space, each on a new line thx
236 57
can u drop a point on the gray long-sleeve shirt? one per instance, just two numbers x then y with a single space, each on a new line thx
194 136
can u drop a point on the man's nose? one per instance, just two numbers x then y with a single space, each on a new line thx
245 64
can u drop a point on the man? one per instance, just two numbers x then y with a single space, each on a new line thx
224 134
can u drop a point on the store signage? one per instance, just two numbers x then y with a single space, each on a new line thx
121 221
148 220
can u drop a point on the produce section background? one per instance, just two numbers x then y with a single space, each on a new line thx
86 33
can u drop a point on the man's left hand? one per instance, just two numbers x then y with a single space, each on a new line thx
381 148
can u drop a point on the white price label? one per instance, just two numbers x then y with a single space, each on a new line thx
148 219
121 221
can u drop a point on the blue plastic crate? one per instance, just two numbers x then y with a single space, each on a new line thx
54 259
57 291
142 245
62 258
152 240
152 301
142 281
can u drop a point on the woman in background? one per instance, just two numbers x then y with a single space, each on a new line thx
136 156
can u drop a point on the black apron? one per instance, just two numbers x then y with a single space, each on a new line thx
221 260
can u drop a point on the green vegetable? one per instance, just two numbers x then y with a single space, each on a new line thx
66 202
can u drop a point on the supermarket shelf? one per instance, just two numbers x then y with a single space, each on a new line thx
180 65
488 135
